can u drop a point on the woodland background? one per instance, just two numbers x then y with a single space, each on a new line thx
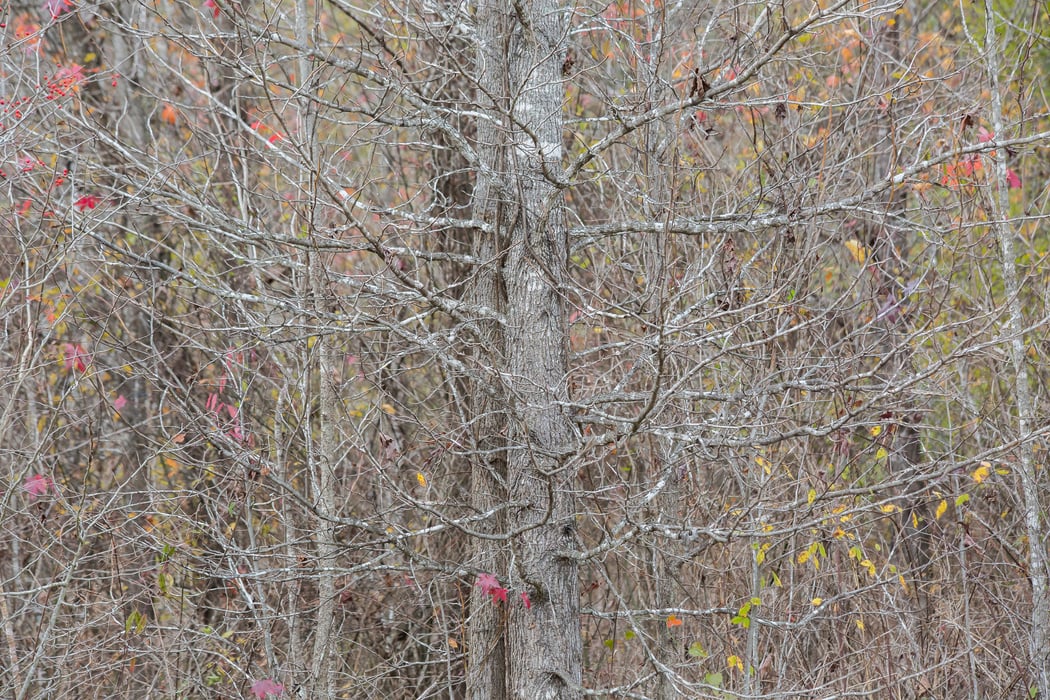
436 349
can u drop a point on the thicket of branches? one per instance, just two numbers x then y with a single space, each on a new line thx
432 349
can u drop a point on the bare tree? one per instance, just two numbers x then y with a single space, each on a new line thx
517 350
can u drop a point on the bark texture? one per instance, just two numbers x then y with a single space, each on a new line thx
520 58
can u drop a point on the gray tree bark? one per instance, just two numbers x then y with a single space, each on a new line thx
1038 572
538 652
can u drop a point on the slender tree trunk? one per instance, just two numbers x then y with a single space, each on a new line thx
486 651
1039 642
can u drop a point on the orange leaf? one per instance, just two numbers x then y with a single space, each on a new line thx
167 114
674 621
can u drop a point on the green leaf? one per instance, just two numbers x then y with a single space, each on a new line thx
714 679
697 651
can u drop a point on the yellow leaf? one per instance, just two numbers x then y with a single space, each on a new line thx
982 472
388 409
421 479
881 453
941 507
735 662
857 250
887 508
875 430
764 463
860 624
812 496
817 601
803 557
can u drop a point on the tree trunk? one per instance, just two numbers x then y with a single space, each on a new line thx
521 51
1028 472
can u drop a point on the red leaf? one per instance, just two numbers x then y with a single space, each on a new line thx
487 583
213 6
119 402
266 687
37 486
984 136
525 599
89 201
76 357
1012 180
